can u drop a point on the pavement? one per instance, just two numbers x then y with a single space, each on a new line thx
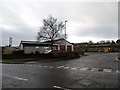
97 70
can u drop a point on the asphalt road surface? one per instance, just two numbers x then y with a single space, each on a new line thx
96 70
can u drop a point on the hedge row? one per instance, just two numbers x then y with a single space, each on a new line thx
21 55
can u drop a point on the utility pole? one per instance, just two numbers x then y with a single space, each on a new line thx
65 36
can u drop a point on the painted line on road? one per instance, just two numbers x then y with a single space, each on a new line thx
35 66
39 66
20 64
21 78
30 65
66 67
94 69
84 68
117 71
74 68
44 66
18 78
51 67
107 70
58 87
58 67
61 66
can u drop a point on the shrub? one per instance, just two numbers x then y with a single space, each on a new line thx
19 52
66 55
37 52
63 55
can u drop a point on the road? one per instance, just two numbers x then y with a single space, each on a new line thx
96 70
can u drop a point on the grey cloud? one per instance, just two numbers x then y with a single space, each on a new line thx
98 32
102 15
17 36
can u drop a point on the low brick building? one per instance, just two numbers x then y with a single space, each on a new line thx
45 47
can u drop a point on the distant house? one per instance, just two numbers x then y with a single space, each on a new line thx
45 47
97 47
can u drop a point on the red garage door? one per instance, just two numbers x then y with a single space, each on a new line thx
62 47
69 48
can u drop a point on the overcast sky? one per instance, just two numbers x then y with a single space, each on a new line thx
86 20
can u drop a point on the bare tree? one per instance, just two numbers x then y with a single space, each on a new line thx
108 41
118 41
90 42
51 30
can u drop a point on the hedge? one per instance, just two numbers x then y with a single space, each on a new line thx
21 55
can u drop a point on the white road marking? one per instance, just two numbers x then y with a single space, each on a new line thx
118 71
45 66
21 64
66 67
30 65
74 68
94 69
35 65
58 67
84 68
56 87
21 78
18 78
39 66
61 66
50 67
61 88
107 70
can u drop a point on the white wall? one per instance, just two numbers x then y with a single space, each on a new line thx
30 49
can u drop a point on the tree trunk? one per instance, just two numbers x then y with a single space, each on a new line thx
52 54
52 45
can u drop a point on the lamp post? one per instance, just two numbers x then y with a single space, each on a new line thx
65 35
